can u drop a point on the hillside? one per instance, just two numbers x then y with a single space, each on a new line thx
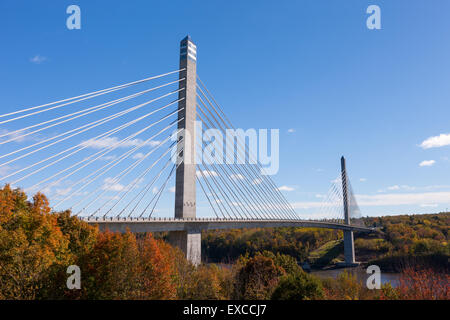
409 238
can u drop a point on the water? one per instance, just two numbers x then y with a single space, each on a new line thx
360 274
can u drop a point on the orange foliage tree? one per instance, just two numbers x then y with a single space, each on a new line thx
257 279
425 284
30 243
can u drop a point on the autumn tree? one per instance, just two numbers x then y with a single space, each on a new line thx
30 243
257 278
158 270
111 269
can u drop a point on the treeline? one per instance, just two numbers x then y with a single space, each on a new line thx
422 238
37 246
227 245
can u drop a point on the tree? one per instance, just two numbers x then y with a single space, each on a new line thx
31 242
288 263
257 278
424 284
205 284
298 286
111 269
158 269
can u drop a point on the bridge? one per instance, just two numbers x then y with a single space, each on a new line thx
240 195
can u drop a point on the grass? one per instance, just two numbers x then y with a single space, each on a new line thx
326 253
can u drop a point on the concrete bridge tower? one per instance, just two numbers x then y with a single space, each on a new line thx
349 246
185 194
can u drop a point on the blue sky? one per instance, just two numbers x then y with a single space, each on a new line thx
313 67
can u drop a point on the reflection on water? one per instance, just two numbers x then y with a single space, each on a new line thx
360 274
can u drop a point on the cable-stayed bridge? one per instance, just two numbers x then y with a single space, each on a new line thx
113 163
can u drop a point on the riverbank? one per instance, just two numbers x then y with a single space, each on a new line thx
359 273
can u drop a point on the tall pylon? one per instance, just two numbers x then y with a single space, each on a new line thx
349 245
185 185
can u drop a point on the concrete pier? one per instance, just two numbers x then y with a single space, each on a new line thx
189 241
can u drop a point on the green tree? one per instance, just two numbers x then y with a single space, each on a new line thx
298 286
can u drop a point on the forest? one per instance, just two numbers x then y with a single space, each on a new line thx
37 246
402 240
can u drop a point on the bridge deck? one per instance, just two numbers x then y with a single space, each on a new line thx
171 224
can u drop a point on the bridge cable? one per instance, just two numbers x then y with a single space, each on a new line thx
238 167
244 167
145 190
233 205
243 196
239 144
147 187
102 152
123 174
266 178
77 114
94 124
213 193
83 144
231 179
133 184
118 161
159 192
114 162
207 197
236 175
89 95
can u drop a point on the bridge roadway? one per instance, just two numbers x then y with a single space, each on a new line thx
137 225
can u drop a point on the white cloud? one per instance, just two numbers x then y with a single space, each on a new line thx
436 141
390 199
291 130
286 188
428 205
257 181
108 158
405 187
237 177
427 163
38 59
172 189
155 190
362 179
206 173
404 199
7 135
5 170
138 155
63 192
113 141
111 185
398 187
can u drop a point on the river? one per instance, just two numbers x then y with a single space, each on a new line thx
360 274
